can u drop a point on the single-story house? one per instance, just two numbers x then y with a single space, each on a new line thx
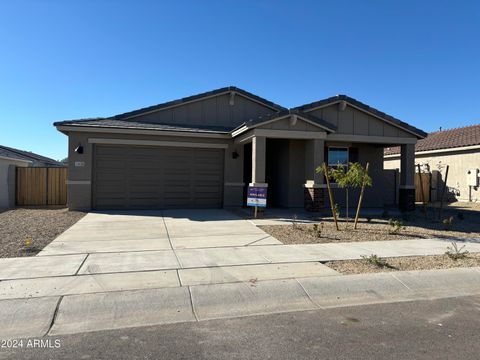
459 149
204 150
11 158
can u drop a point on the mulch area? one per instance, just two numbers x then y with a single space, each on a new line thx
24 232
405 263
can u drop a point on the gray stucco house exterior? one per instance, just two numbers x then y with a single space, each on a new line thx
203 151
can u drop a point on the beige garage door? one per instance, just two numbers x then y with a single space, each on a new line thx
135 177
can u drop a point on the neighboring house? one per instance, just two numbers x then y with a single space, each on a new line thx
11 158
204 150
460 149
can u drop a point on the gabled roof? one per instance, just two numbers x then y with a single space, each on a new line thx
181 101
17 154
131 114
334 99
445 139
124 121
253 123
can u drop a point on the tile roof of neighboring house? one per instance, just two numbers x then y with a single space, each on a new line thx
364 107
9 152
445 139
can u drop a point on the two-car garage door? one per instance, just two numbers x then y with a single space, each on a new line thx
135 177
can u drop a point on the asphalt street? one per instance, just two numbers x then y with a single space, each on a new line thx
434 329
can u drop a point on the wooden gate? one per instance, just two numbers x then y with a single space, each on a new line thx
41 186
425 179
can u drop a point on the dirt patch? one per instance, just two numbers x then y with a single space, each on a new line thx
38 227
416 226
405 263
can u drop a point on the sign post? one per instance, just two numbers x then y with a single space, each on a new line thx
257 197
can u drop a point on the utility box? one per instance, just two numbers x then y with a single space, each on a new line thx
472 177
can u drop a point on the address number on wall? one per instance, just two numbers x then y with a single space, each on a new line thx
79 163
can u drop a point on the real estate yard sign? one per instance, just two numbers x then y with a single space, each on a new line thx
257 196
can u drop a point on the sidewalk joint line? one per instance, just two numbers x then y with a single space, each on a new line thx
401 282
81 265
178 276
55 314
263 238
191 303
170 241
308 295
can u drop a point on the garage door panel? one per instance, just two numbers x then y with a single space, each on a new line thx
175 191
157 177
207 204
208 178
115 165
111 203
144 201
145 177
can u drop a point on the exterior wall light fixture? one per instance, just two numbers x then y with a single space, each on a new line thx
79 149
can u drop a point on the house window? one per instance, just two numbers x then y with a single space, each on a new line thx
337 156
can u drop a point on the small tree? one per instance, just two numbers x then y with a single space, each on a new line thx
324 170
356 176
367 181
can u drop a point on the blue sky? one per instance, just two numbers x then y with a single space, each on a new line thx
416 60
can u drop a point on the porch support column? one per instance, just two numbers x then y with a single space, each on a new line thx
314 188
258 161
407 174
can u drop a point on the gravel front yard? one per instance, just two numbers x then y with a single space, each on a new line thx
375 230
405 263
41 226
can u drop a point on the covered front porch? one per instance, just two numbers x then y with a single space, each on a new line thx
285 161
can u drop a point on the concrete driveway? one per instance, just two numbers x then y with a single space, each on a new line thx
133 231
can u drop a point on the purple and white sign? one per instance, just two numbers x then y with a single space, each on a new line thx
257 196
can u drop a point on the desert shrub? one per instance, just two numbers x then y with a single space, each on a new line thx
318 229
374 260
396 226
336 209
456 253
294 221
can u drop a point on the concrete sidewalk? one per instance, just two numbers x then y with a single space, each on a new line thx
200 258
113 310
120 269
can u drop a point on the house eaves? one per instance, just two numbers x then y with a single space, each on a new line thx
420 134
129 127
263 120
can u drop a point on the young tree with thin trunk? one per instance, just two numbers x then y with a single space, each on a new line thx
324 170
354 176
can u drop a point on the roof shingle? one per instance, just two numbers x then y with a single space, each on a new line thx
13 153
445 139
129 124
